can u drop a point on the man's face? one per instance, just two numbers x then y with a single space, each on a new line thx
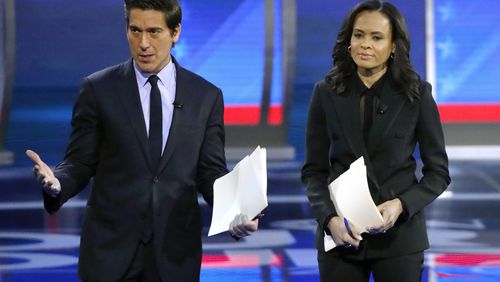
150 40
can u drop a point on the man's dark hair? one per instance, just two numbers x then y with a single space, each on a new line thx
399 64
170 8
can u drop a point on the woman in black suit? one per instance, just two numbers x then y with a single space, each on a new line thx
373 104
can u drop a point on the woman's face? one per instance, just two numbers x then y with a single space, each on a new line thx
371 41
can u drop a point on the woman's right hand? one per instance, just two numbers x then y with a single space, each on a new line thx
343 235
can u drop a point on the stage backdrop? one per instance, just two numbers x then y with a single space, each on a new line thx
264 54
463 61
238 45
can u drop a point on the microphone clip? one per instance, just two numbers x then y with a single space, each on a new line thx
177 105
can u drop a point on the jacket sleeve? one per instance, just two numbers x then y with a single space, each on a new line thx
212 161
315 171
429 134
80 160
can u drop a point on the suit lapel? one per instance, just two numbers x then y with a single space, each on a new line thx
347 109
382 122
181 97
348 112
130 100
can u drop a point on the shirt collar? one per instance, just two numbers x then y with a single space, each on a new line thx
166 75
360 88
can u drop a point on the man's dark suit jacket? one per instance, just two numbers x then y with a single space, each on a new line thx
109 143
334 140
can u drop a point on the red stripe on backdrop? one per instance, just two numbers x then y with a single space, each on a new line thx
467 260
469 112
240 261
250 115
275 115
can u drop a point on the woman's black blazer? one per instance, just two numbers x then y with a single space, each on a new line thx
334 139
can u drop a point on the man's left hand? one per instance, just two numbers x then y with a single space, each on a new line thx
241 226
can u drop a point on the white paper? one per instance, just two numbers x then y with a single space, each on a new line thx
242 191
351 196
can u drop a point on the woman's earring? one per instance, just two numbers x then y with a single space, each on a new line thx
349 49
392 56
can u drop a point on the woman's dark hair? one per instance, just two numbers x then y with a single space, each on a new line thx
400 67
170 8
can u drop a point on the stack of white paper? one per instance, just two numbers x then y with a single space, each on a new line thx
351 196
242 191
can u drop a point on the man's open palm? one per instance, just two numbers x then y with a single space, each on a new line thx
44 174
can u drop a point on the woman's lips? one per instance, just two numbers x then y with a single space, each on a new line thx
364 56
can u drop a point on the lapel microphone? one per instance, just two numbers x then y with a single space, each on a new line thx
177 105
381 108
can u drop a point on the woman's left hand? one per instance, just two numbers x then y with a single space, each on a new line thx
390 211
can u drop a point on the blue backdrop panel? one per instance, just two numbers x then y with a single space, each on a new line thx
467 42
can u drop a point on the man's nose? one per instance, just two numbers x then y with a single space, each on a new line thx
144 42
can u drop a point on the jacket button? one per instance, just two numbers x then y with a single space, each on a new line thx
156 180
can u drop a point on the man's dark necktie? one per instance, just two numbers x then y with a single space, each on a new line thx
155 121
155 146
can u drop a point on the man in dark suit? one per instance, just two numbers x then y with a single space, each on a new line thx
150 133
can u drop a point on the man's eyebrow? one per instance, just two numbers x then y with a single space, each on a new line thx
154 28
148 29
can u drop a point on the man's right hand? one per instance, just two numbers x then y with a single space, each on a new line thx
44 174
